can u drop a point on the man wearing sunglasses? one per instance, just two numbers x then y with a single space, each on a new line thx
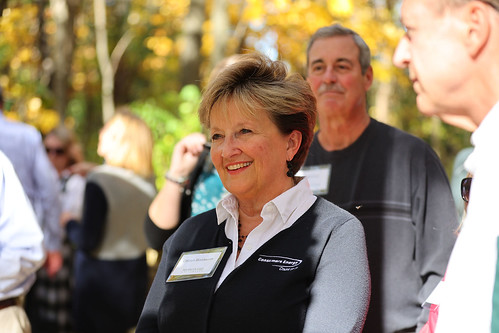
451 50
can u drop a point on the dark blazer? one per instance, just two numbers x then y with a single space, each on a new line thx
311 277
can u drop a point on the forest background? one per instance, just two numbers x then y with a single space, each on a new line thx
74 61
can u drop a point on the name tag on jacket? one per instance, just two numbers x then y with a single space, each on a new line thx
318 177
195 265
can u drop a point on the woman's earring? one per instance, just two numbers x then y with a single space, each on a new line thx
290 169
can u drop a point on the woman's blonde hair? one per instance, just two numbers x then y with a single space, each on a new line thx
132 143
255 81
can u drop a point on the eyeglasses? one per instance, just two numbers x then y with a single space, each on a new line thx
465 188
57 151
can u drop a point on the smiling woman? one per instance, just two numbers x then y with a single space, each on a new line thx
271 257
250 154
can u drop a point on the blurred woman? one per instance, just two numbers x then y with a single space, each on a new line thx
64 151
48 304
110 263
271 257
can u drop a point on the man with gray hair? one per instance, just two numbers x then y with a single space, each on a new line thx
390 180
451 51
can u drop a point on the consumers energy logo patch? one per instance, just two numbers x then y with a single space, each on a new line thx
282 263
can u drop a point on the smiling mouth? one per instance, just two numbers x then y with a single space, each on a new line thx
237 166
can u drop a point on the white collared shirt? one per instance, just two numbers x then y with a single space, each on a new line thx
470 277
277 214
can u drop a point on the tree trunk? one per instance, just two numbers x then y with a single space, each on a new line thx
220 27
239 33
105 67
122 75
64 12
190 56
382 102
47 68
3 5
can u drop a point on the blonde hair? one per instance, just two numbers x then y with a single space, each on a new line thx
132 143
255 81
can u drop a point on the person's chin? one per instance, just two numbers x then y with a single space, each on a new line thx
238 189
328 104
447 114
425 106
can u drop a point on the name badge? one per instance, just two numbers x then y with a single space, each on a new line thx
195 265
318 177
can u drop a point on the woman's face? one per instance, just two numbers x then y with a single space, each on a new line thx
56 152
250 153
109 136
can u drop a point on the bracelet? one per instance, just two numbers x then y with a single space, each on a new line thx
182 181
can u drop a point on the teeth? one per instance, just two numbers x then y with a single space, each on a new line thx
238 166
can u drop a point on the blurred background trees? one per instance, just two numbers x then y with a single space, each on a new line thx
73 61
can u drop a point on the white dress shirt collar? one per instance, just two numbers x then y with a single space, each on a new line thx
277 215
481 138
286 204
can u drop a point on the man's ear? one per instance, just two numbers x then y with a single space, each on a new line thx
368 78
294 143
477 18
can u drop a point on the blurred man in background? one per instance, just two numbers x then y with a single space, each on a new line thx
23 145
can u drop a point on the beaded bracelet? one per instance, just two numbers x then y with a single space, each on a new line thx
182 181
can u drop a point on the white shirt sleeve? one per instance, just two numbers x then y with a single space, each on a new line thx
21 239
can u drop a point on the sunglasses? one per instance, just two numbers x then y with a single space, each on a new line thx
56 151
465 188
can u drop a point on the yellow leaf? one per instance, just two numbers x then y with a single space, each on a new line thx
254 11
340 7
